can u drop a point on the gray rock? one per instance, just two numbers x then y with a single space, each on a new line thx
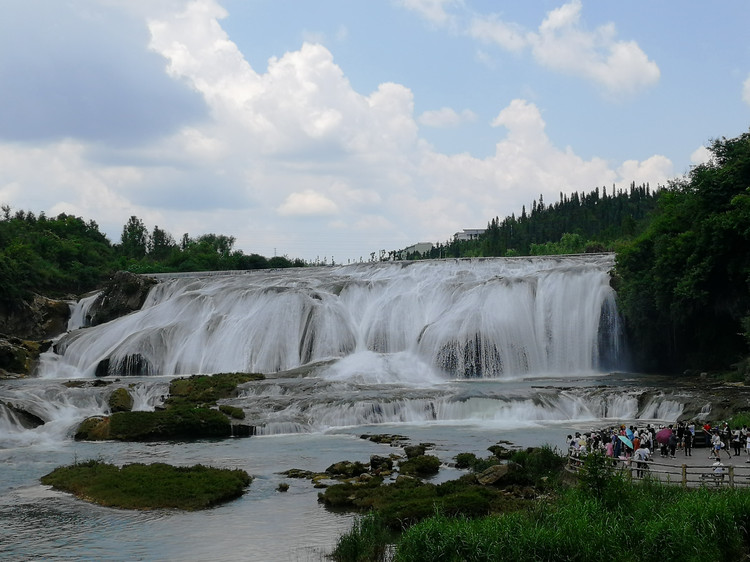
493 475
123 294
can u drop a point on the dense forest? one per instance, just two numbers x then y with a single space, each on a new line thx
682 273
684 283
582 222
68 255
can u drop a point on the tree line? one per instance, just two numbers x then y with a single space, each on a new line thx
580 222
68 255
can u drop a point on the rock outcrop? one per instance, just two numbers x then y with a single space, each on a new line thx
18 357
124 293
37 319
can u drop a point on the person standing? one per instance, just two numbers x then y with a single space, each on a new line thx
672 444
688 444
736 442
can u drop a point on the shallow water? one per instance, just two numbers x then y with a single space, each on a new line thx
38 523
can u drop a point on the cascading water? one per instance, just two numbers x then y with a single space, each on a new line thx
496 318
459 353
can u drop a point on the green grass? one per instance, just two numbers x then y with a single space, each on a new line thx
602 517
141 486
649 522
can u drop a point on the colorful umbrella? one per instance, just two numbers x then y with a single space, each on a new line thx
663 435
625 440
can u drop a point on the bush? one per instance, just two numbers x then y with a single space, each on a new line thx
422 465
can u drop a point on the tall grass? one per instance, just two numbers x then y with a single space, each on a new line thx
651 522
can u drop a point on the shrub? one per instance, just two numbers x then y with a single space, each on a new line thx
422 465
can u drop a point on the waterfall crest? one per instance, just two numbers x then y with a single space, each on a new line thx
479 318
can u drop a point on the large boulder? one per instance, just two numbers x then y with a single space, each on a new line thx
120 400
18 357
124 293
24 418
493 475
37 318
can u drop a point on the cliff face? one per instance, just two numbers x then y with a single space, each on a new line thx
26 329
25 332
37 319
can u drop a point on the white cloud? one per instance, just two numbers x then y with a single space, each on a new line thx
491 29
307 203
432 10
746 91
700 155
563 44
446 117
655 170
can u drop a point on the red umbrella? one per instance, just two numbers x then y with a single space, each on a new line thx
663 435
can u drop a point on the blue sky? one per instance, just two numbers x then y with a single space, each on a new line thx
338 128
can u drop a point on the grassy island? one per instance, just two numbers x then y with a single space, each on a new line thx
149 486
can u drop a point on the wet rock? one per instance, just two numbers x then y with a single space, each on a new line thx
412 451
124 293
133 365
380 464
501 452
24 417
298 473
242 430
347 469
38 318
18 357
391 439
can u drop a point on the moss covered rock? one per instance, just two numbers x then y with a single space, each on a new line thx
120 400
170 424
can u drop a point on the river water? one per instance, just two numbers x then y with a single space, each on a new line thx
459 354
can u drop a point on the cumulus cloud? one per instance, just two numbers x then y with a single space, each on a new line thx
700 155
446 117
564 44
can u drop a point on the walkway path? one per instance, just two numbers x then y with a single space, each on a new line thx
691 471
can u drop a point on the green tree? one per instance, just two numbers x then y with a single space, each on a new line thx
134 239
685 283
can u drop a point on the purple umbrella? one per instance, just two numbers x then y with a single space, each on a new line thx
663 435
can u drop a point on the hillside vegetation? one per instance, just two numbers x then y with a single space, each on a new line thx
69 255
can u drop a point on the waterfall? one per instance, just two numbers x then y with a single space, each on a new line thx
79 314
478 318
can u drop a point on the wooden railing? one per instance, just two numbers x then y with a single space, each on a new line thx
685 475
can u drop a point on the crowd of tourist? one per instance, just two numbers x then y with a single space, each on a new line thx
642 443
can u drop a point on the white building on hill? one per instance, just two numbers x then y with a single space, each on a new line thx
469 234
